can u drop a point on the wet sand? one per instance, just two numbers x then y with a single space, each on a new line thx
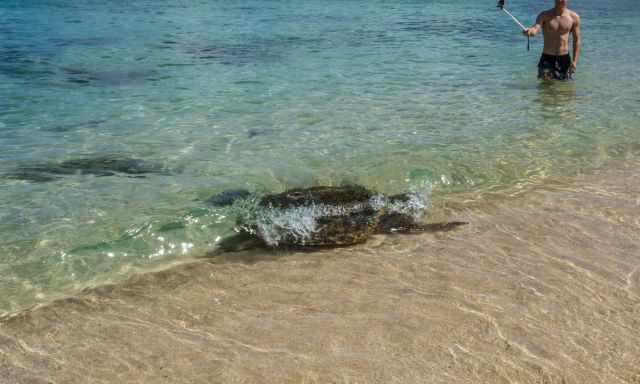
539 288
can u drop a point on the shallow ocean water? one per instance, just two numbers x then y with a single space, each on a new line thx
539 288
266 95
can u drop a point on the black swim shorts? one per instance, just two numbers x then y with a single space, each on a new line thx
554 67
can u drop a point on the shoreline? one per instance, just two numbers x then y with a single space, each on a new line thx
539 288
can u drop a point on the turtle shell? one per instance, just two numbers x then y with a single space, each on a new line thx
346 215
332 196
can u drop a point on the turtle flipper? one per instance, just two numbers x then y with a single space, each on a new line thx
438 227
228 197
241 241
401 223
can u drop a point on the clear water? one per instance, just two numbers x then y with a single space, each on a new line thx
267 95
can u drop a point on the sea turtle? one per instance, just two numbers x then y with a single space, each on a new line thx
324 217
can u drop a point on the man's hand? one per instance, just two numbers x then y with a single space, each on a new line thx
536 27
573 67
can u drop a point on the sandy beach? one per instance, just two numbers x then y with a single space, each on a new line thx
543 288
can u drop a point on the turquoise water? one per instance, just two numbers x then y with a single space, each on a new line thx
267 95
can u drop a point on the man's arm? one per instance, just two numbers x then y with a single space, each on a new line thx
577 42
536 27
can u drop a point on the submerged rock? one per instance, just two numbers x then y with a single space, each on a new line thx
97 166
93 124
228 197
327 216
257 132
108 78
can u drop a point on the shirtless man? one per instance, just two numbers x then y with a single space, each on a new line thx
556 24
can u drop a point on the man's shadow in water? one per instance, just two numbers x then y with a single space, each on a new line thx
556 99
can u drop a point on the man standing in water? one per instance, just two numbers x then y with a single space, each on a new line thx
556 24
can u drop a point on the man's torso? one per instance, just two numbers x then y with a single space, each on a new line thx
556 30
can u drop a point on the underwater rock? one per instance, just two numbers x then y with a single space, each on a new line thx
257 132
97 166
327 217
86 41
74 126
248 51
108 78
28 175
228 197
25 62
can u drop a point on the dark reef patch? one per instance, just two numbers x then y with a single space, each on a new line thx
251 133
252 50
108 78
97 166
227 197
94 41
74 126
25 62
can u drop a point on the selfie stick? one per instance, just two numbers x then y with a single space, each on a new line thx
501 6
